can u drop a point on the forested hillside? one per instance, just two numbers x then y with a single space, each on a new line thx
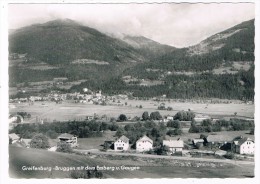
222 66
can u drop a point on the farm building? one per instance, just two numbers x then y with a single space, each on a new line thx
201 117
217 139
243 145
174 145
14 137
68 138
167 119
15 119
121 144
195 141
144 144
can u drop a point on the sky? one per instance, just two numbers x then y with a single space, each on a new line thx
178 25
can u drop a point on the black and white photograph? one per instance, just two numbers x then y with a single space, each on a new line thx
130 90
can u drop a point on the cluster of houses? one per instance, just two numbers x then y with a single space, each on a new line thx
239 145
86 97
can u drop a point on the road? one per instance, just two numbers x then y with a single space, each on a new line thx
227 161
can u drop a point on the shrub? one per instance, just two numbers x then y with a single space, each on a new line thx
86 174
39 141
122 117
64 147
199 145
229 155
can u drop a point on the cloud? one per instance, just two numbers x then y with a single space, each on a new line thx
173 24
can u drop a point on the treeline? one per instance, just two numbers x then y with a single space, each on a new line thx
72 72
155 131
226 86
81 129
231 125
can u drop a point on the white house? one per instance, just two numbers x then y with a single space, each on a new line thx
85 90
144 144
14 137
167 119
68 138
243 145
121 144
201 117
174 145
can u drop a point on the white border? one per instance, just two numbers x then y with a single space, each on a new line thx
4 98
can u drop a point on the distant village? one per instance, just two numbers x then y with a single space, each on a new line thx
172 146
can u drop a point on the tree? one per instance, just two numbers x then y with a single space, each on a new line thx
177 131
155 115
170 132
39 141
122 117
145 116
252 131
169 108
184 115
119 132
174 124
206 122
51 134
64 147
162 150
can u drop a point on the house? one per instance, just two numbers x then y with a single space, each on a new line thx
89 117
15 119
144 144
195 141
68 138
85 90
14 137
121 144
201 117
217 139
174 145
167 119
243 145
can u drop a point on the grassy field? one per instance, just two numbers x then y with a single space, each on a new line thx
226 135
19 157
71 111
95 142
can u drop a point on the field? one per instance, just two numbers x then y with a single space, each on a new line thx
225 135
71 111
149 168
95 142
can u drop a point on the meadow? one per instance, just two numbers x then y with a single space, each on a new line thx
156 168
51 111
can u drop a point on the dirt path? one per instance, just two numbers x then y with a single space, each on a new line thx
227 161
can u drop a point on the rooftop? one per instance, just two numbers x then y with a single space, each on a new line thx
65 136
173 143
124 139
145 138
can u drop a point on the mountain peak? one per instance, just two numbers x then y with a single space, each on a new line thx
61 22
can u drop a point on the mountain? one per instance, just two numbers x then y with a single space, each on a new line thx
239 39
221 66
233 44
147 46
63 41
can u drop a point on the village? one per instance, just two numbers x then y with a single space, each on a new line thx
177 139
